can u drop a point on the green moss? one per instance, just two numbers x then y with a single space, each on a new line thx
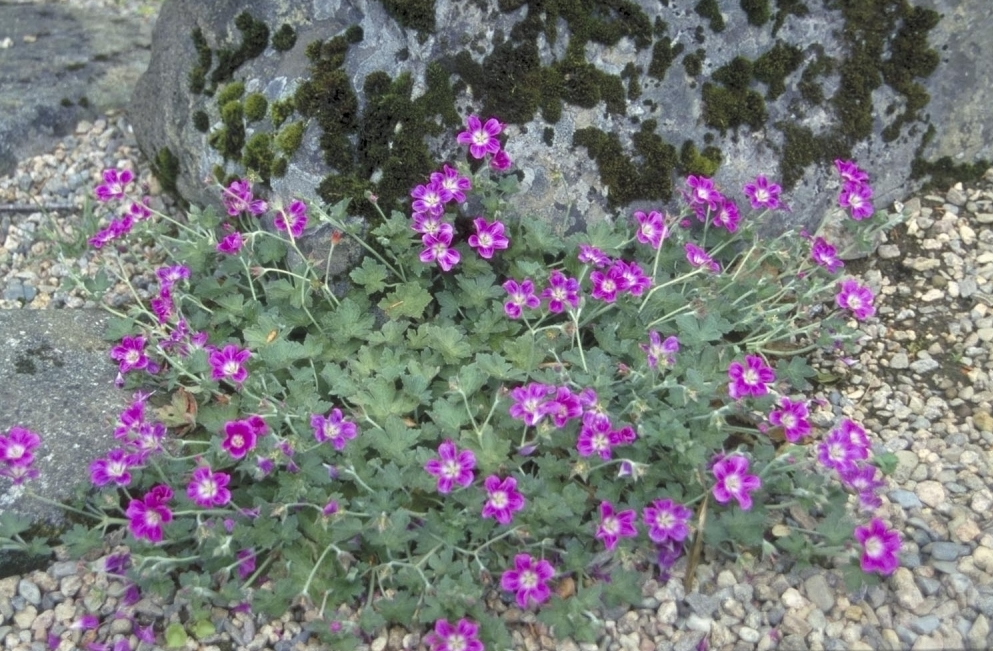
810 86
201 122
166 169
231 137
909 61
944 172
254 41
725 108
230 92
279 167
218 173
775 65
198 75
258 155
710 10
256 106
548 136
736 74
413 14
631 72
693 63
280 110
285 38
785 8
646 176
290 137
663 54
66 102
757 11
692 161
802 148
83 102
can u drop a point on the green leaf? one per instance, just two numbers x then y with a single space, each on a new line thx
886 462
694 331
496 366
12 524
270 249
796 372
370 275
624 588
449 415
409 300
118 327
175 636
80 540
202 628
449 341
350 320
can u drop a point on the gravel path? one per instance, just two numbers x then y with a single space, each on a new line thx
921 386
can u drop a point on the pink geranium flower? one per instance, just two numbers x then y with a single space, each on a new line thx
751 378
437 248
666 520
147 515
451 467
454 637
502 499
114 182
825 255
560 291
762 193
292 219
488 237
130 354
239 438
334 427
880 547
651 228
208 488
529 580
229 363
520 295
614 526
481 138
733 481
230 243
792 417
855 298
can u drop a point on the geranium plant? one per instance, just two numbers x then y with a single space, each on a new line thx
484 407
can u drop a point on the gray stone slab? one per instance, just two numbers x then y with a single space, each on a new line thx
60 65
56 379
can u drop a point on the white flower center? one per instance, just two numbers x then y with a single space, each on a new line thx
499 499
230 367
451 469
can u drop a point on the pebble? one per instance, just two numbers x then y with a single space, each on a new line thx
931 493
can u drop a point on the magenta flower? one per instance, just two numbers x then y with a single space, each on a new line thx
857 198
849 171
209 489
592 255
114 468
146 516
733 481
880 547
651 228
481 138
825 255
130 354
595 435
451 467
752 378
862 478
614 526
699 258
666 520
454 637
855 298
727 216
238 199
501 161
529 580
607 284
85 622
502 499
838 452
230 244
430 198
139 210
427 224
437 248
657 349
162 305
763 194
635 279
520 295
169 276
702 192
113 185
229 363
333 427
562 407
17 447
246 563
561 290
855 433
453 182
293 219
239 438
529 402
488 237
792 417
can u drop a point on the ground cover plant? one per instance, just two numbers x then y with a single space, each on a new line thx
484 407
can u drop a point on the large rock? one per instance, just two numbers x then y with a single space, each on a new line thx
56 379
60 65
609 103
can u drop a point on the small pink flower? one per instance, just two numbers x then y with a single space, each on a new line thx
454 637
229 363
451 467
529 580
529 402
697 257
592 255
561 290
502 499
18 446
825 255
595 435
114 183
651 228
501 161
230 244
520 295
437 248
849 171
208 489
763 194
855 298
880 547
130 354
857 198
453 182
239 438
238 199
488 237
666 520
657 349
792 417
727 216
614 526
481 138
733 481
333 427
702 192
292 219
753 378
146 516
430 198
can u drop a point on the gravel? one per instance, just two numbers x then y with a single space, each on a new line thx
921 385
